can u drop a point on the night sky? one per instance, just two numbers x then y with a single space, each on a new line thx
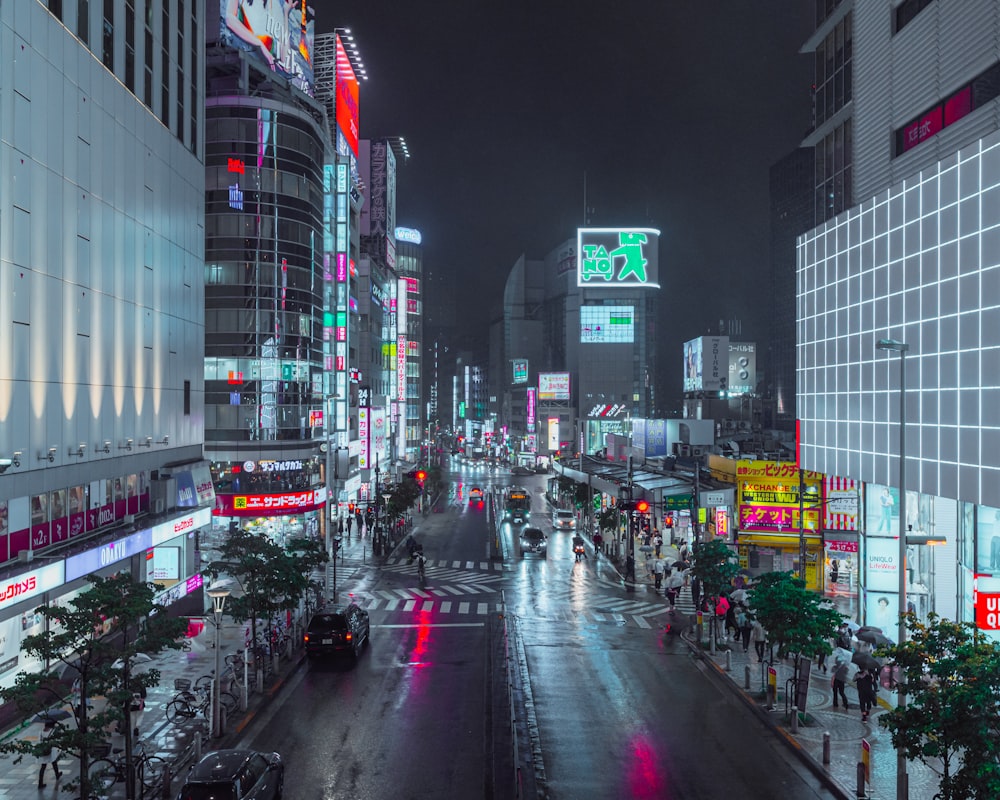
674 110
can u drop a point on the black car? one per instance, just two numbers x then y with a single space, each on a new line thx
337 629
533 541
235 775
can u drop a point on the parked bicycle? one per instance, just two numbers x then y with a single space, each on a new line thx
188 704
108 769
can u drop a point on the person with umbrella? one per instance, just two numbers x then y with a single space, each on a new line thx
675 581
49 755
839 681
867 689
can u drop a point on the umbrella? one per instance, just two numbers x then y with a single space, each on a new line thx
52 715
875 628
136 660
865 661
874 637
852 626
739 596
675 581
840 655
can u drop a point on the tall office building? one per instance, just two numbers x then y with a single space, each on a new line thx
101 303
914 259
266 290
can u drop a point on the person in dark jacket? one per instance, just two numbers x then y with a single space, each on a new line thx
840 672
867 692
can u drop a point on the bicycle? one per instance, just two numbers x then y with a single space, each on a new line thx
110 768
187 704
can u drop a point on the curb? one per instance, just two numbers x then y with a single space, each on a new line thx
803 755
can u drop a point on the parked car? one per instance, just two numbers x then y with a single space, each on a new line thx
564 520
337 629
533 541
232 774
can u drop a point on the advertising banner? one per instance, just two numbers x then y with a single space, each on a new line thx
363 437
607 324
553 438
530 409
706 364
742 367
347 100
882 565
841 510
553 386
768 497
520 366
377 436
618 257
257 505
649 437
278 35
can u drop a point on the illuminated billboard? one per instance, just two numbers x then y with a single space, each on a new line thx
280 35
742 367
553 386
706 364
618 257
347 99
768 497
607 324
520 370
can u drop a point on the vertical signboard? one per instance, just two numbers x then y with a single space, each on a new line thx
348 115
553 439
706 364
363 420
401 365
377 190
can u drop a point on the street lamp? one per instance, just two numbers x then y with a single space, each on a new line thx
902 780
218 592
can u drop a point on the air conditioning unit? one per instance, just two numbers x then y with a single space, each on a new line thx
26 556
744 425
697 452
684 450
159 506
129 519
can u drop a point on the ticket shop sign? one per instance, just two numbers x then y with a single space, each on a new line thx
768 497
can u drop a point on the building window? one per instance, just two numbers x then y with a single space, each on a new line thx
834 60
193 72
187 398
108 35
55 8
130 45
906 12
164 67
975 94
834 183
180 71
83 21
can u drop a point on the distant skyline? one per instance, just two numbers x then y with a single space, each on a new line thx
674 113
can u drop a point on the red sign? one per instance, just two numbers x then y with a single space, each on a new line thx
347 99
237 165
988 611
258 505
925 127
842 547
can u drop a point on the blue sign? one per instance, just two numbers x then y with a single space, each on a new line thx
93 560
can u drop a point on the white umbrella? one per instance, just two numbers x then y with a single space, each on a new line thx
138 663
675 581
739 596
852 626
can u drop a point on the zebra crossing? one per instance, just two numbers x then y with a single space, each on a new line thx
444 563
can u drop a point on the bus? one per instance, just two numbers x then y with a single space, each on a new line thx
516 505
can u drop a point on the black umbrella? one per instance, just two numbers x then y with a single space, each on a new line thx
874 637
866 661
52 715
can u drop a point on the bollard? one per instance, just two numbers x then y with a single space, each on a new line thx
197 745
746 677
795 720
861 779
222 720
826 748
729 661
167 780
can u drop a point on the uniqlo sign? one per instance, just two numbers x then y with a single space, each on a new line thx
988 611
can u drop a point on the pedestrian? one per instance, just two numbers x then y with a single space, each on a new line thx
674 583
598 541
843 639
867 692
683 551
759 638
657 544
350 524
695 591
721 610
743 625
49 755
137 707
731 622
658 572
839 679
630 568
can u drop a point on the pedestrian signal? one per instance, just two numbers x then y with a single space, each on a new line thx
642 506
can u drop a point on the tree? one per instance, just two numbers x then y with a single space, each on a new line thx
800 621
609 519
950 673
715 566
95 637
272 578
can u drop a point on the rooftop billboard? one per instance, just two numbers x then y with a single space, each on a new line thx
347 99
279 34
706 364
618 257
553 386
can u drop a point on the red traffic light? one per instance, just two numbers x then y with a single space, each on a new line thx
420 476
642 506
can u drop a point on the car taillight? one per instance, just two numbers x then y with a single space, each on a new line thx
349 636
306 637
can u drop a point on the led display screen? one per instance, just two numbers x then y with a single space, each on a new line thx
618 257
278 34
553 386
607 324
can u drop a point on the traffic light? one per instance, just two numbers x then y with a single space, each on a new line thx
421 476
642 506
668 519
350 508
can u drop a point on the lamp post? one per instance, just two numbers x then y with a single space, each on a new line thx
385 521
902 779
218 592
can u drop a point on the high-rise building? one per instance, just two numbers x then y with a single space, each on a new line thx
913 262
101 303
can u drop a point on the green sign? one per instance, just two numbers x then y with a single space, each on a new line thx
597 503
286 372
618 257
677 502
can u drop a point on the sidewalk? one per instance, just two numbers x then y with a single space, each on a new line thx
746 676
178 745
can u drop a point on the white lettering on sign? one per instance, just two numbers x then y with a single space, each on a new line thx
112 553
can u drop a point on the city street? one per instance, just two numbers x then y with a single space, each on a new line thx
621 709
